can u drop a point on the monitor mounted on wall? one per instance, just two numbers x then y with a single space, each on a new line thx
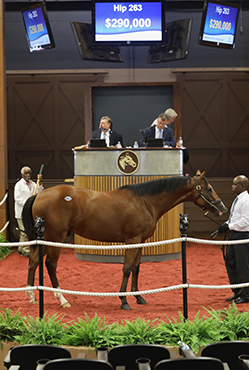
175 43
128 22
38 31
219 24
89 51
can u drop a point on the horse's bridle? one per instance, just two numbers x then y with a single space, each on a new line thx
201 195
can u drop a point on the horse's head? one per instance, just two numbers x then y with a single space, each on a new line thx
129 161
126 160
205 196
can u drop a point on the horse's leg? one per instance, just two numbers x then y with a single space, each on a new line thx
127 268
53 254
33 263
135 272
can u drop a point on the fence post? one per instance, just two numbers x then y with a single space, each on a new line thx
40 229
183 230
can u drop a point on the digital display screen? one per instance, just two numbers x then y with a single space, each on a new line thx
219 24
38 34
128 22
175 44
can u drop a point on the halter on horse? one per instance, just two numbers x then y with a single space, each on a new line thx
126 215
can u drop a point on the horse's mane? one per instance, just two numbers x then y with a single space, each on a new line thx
154 187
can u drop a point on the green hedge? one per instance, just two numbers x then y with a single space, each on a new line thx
226 324
4 250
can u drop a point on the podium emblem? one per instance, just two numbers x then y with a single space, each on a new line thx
128 162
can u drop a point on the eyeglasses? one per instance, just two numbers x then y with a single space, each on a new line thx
162 123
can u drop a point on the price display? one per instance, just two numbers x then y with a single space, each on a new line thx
128 21
36 28
220 24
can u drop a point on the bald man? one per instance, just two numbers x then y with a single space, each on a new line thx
23 189
237 255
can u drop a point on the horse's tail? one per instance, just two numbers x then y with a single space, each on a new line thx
27 218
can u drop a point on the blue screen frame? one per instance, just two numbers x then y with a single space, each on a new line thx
37 27
128 22
219 24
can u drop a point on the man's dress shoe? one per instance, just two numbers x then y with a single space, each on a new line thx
232 298
241 300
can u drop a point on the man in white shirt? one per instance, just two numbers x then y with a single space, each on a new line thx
23 189
237 256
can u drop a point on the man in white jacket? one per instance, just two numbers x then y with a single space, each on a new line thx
23 189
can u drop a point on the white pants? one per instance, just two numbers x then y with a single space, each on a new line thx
23 238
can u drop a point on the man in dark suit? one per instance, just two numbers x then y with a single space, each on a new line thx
105 132
160 130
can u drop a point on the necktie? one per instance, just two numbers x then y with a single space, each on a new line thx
160 134
107 138
232 209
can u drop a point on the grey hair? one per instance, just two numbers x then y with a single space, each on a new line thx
25 168
170 113
109 120
163 117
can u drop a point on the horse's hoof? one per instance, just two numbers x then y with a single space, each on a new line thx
125 306
141 300
65 305
31 296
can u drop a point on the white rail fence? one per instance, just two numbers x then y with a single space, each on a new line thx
128 246
1 203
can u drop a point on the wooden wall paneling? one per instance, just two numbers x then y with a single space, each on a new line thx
215 117
177 107
47 116
238 130
3 123
31 117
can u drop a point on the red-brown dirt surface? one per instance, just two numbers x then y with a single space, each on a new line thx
205 266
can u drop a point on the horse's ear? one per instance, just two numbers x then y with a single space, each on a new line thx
198 173
203 174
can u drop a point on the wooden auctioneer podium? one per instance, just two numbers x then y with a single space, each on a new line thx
107 169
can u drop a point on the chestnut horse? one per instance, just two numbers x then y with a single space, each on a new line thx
128 215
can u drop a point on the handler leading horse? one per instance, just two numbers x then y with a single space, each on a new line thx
128 215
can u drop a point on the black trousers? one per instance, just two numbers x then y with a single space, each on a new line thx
237 262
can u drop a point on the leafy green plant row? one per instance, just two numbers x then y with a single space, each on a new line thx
226 324
4 251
